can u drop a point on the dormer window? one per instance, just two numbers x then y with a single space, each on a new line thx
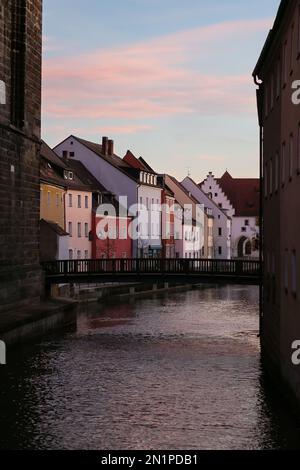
71 175
142 176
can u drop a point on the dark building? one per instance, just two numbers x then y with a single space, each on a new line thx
20 123
279 118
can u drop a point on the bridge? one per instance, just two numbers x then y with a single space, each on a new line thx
153 270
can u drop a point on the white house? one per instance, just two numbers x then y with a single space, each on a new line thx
222 222
239 199
138 185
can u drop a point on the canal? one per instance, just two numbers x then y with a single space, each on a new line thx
171 371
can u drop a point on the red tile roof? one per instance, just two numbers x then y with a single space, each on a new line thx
243 194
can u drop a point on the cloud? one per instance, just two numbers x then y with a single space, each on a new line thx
159 78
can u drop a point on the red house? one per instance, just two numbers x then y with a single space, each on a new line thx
111 237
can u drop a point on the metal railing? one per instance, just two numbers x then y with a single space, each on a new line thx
152 266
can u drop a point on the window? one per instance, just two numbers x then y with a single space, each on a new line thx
216 194
272 91
276 171
124 255
294 273
153 203
79 230
70 200
86 254
298 30
278 79
266 100
247 222
65 154
220 231
220 250
86 202
72 154
220 205
283 163
266 179
86 230
70 254
271 177
48 198
70 229
79 201
244 229
147 203
292 48
284 64
291 156
71 175
78 254
298 159
286 270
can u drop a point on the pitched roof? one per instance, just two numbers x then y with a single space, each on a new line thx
48 154
206 196
55 227
86 177
243 194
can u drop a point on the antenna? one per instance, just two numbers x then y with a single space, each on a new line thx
188 168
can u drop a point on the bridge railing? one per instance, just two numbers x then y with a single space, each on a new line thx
152 266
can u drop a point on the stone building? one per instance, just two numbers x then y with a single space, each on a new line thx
20 122
279 118
239 199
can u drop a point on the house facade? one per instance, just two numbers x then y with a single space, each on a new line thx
222 223
138 186
279 120
20 122
239 200
191 223
168 220
52 187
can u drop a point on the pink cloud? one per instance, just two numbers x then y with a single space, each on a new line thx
150 79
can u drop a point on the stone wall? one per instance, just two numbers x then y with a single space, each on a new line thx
20 117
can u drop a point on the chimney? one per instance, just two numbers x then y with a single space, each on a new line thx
110 147
105 145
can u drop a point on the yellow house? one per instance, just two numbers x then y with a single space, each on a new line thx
52 186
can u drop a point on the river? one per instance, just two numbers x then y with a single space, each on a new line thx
179 370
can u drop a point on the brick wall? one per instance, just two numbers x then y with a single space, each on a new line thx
20 70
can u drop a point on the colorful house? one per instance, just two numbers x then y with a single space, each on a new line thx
222 223
139 187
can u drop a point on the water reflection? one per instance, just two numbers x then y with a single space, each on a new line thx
174 371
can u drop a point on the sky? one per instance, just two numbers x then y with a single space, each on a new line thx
168 79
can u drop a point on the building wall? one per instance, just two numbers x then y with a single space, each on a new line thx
239 229
281 119
110 177
150 219
20 70
52 204
116 245
168 240
192 245
79 215
220 221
